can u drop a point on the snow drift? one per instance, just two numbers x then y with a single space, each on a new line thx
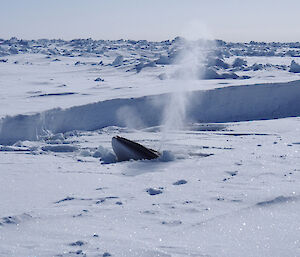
294 67
230 104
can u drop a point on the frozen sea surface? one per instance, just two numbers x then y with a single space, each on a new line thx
226 185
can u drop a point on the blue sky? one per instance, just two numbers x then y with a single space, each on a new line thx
230 20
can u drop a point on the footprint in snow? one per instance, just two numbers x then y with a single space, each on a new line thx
14 220
232 173
172 223
154 191
180 182
77 253
78 243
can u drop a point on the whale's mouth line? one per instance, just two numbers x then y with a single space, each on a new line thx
126 150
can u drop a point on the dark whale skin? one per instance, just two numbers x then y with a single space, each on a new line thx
126 150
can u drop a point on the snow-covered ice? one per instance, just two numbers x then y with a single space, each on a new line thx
227 180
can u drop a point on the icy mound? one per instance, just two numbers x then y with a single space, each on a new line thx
211 73
218 63
239 62
118 61
165 60
106 156
239 103
294 67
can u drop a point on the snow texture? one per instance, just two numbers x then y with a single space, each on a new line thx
224 116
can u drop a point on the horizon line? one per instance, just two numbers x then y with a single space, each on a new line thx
137 40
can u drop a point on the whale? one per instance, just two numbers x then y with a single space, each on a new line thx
126 150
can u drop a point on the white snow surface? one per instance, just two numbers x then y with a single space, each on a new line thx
226 184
